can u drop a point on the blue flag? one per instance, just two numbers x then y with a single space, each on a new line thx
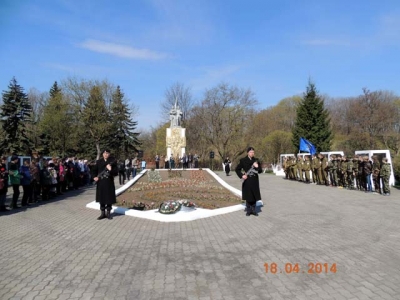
307 146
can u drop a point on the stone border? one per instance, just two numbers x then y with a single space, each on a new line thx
186 214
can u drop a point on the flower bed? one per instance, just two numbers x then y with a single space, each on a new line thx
192 187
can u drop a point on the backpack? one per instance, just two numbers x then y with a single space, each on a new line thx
121 166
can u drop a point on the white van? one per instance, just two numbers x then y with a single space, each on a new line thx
380 154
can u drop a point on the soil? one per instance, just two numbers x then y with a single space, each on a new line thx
197 186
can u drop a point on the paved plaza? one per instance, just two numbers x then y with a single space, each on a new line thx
58 250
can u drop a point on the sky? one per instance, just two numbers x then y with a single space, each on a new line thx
145 46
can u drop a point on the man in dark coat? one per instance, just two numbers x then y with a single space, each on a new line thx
105 170
250 186
227 166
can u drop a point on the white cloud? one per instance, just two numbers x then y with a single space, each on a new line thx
122 50
61 67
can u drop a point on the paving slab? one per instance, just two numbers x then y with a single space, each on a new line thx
58 250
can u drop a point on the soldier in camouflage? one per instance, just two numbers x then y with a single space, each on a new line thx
350 173
307 168
355 171
332 166
300 167
385 175
324 169
376 169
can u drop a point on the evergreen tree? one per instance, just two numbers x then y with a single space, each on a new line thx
312 121
123 139
96 117
15 114
57 123
55 90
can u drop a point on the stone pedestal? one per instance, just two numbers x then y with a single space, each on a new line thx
176 141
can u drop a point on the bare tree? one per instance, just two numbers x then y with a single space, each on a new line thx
38 101
220 122
183 95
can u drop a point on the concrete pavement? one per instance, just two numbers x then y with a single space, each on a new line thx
60 251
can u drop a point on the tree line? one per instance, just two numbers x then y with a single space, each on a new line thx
77 118
227 120
83 116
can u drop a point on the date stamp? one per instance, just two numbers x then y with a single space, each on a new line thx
289 268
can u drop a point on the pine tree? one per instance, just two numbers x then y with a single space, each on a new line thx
56 123
123 139
312 121
55 90
96 117
15 114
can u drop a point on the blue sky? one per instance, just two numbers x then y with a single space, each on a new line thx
145 46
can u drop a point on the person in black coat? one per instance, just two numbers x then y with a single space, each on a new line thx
250 186
105 170
227 166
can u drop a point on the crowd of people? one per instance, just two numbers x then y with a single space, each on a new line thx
129 168
355 173
41 179
186 161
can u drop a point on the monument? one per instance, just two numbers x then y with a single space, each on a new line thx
176 135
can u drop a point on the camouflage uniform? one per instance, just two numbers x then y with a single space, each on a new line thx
295 177
355 171
324 170
285 167
376 168
343 167
300 168
330 170
385 175
336 166
350 174
313 169
307 168
318 165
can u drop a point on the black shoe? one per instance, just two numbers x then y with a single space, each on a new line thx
256 214
247 214
108 214
102 216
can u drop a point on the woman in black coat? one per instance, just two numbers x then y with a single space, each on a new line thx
250 186
105 170
227 166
